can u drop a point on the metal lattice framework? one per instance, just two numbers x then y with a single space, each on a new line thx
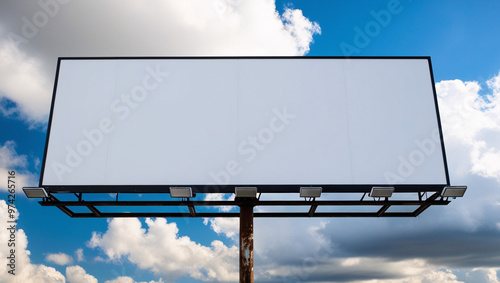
95 207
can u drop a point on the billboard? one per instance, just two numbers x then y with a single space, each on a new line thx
144 124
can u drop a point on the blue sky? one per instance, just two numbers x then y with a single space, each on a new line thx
457 243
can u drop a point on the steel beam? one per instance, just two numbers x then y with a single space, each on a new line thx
237 203
246 243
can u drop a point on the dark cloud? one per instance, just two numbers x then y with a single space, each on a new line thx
453 248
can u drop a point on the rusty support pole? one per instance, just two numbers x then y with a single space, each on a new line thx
246 243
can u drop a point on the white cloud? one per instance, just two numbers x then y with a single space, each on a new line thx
126 279
442 276
127 27
11 161
9 157
485 160
121 279
472 120
26 272
76 274
494 83
161 250
491 274
483 275
59 258
79 255
470 115
300 28
229 227
228 197
22 82
433 276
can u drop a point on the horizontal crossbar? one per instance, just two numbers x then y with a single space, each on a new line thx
238 203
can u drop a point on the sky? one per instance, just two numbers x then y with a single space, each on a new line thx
455 243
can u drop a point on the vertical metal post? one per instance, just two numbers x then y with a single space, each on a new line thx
246 243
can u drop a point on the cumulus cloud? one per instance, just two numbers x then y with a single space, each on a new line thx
441 276
153 28
121 279
24 90
445 276
59 258
300 28
159 249
10 160
76 274
472 120
8 156
126 279
228 227
483 275
228 197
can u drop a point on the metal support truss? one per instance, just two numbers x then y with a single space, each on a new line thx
96 207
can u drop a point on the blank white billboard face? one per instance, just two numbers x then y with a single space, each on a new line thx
244 121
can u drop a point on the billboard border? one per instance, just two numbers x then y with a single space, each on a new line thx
49 125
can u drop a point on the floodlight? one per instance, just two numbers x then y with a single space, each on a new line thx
181 192
310 192
453 191
382 192
35 192
245 192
